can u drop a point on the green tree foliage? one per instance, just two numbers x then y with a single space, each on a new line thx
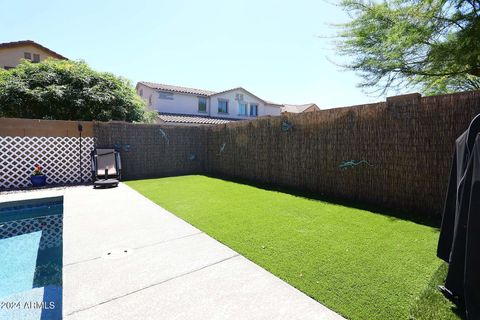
434 44
68 90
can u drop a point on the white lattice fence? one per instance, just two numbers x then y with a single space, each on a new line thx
59 158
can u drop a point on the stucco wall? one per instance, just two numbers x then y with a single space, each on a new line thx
145 93
181 103
233 106
15 127
188 103
10 57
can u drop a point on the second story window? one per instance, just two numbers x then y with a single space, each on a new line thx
165 95
36 57
222 106
202 104
140 92
253 109
242 109
27 55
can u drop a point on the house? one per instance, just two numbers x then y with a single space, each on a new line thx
183 105
12 53
300 108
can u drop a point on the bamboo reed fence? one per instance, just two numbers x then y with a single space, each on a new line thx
395 154
149 151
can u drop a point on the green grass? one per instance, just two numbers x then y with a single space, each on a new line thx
359 263
431 304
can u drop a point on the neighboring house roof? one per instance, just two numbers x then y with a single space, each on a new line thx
200 92
193 119
273 103
243 89
166 87
299 108
23 43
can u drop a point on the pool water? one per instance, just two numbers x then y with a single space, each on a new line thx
31 259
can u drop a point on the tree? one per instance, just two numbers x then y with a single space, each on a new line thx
434 44
67 90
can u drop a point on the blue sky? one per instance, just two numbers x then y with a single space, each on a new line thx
271 48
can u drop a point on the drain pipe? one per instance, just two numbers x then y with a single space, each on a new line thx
80 128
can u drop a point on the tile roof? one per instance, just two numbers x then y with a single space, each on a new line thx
201 92
273 103
298 108
179 89
30 43
194 119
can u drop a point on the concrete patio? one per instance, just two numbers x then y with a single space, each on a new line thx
127 258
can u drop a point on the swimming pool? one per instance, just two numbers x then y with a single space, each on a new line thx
31 259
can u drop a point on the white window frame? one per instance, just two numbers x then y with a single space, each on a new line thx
240 103
206 105
250 110
218 105
165 95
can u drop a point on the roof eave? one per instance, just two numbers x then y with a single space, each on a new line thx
22 43
147 84
241 88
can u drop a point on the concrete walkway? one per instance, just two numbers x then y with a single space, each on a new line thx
127 258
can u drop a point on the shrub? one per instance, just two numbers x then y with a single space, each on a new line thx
68 90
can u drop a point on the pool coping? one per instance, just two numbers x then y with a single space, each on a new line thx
30 202
33 195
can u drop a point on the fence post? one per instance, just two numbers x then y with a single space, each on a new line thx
80 128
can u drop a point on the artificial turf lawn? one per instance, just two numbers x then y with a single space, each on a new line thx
360 264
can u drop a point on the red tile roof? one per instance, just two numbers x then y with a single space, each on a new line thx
166 87
22 43
193 119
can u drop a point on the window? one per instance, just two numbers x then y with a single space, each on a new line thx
253 109
7 68
222 106
242 108
202 104
140 92
36 57
27 55
150 100
165 95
